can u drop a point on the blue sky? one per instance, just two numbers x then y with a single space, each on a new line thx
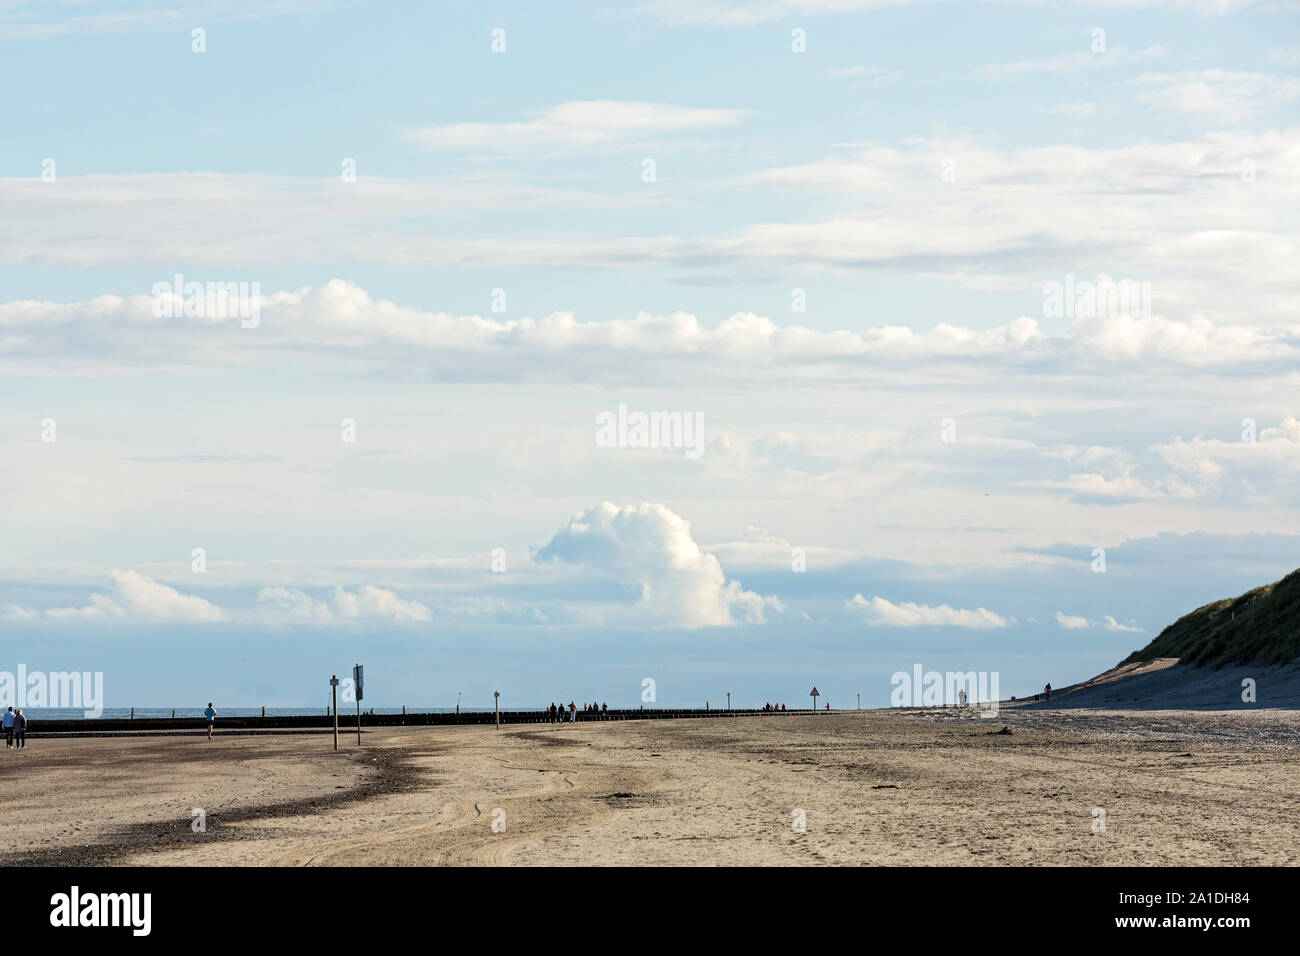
841 265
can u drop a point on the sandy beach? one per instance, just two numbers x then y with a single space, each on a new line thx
923 788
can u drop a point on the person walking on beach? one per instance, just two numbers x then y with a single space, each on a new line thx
8 722
210 716
1047 692
20 730
573 712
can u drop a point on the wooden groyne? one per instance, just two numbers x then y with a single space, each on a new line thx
117 725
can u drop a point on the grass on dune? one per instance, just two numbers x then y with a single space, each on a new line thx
1261 626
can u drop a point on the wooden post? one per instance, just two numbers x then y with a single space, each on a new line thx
497 696
264 711
334 690
358 721
728 700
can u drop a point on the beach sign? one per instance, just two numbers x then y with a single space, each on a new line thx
358 678
814 696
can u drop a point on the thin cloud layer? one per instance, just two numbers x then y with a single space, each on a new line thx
1075 622
578 125
880 612
341 323
365 603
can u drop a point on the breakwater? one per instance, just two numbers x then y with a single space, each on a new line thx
348 721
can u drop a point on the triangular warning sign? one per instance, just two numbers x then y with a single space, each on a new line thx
814 693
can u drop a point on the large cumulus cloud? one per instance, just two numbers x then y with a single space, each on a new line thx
650 550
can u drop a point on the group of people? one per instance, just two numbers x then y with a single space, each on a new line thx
15 728
774 706
556 713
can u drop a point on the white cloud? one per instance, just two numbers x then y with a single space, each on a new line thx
146 598
880 612
138 597
1147 194
1110 624
650 550
1071 61
366 602
35 19
341 324
1125 486
1251 469
881 207
1271 461
369 601
1073 622
72 222
296 603
684 13
579 125
1224 94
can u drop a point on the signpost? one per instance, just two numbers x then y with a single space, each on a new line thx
358 678
334 691
814 696
497 694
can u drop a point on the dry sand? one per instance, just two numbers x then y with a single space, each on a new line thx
926 787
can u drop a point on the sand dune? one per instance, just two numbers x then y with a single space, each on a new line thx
1166 684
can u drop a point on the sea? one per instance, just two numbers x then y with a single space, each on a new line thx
119 713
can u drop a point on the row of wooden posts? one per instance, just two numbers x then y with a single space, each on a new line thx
497 699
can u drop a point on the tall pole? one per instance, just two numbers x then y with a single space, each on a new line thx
357 679
497 694
334 692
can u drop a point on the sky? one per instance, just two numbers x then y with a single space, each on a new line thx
328 332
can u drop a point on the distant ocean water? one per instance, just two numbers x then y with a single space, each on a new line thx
75 713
